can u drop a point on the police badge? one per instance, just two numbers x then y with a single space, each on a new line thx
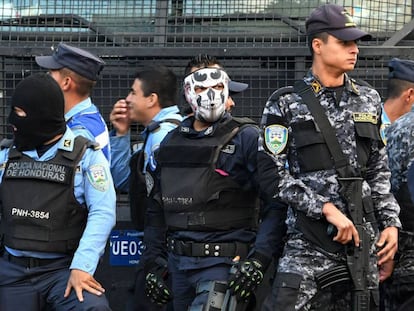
276 137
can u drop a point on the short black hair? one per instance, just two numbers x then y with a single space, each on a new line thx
396 86
201 61
161 81
320 35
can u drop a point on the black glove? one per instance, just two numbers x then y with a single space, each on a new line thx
245 276
155 286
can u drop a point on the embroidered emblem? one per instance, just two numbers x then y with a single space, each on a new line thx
348 19
67 143
276 137
98 177
230 149
365 117
355 88
316 86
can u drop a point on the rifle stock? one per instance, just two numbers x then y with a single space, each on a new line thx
357 257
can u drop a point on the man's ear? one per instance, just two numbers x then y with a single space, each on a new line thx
316 45
66 83
153 100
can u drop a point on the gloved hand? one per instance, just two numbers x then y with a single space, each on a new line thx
155 286
245 276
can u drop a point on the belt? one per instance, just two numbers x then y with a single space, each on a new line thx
28 262
196 249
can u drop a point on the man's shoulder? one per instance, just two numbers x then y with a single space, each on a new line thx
278 93
403 124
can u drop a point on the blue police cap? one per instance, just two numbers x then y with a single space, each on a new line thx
335 20
237 87
402 69
80 61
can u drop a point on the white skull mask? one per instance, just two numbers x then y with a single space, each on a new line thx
208 105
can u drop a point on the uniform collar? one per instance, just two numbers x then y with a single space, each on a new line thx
187 129
78 108
165 112
319 89
67 141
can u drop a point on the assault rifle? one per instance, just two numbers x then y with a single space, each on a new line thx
357 257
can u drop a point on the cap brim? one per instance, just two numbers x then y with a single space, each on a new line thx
350 34
48 62
237 87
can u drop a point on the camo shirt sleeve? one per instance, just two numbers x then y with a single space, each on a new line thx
277 143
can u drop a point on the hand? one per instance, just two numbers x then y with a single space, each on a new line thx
80 280
345 227
388 244
245 277
385 270
155 287
119 117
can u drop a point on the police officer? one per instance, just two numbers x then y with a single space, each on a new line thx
401 154
57 208
313 273
77 71
151 103
205 204
400 90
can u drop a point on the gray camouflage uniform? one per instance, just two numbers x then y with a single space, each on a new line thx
400 148
308 191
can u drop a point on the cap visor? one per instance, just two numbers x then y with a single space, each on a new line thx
237 87
48 62
350 34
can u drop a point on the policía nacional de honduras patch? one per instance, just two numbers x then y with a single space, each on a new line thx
98 177
276 137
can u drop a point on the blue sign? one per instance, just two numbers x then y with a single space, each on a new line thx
126 247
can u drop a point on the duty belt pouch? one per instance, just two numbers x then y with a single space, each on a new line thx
316 231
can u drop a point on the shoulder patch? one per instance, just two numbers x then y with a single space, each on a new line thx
276 137
98 177
383 134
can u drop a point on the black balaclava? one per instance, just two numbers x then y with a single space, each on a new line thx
42 100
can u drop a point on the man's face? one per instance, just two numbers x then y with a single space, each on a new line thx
138 104
336 55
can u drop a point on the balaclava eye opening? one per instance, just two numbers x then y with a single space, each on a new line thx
41 98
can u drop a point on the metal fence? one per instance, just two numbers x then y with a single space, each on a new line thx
260 42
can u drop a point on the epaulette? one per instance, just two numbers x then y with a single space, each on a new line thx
279 92
6 143
361 82
156 124
93 144
244 120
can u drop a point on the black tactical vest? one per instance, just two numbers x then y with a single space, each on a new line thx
137 187
196 196
39 210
